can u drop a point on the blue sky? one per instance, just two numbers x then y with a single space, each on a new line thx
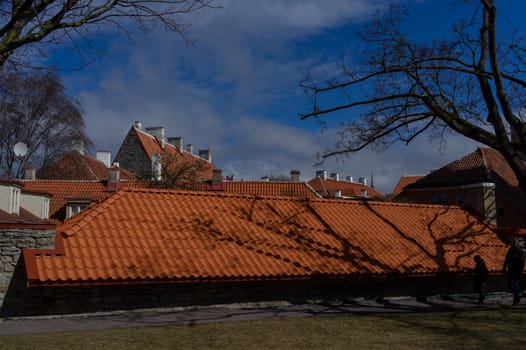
235 90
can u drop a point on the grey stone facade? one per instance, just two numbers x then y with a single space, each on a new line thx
12 241
133 157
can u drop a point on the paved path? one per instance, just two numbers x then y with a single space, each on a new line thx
239 312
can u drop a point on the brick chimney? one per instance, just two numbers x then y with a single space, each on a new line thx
114 181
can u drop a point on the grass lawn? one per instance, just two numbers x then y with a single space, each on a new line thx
503 328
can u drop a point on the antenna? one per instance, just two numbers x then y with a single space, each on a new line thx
20 149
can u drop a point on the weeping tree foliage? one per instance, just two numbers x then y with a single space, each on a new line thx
26 26
472 84
35 110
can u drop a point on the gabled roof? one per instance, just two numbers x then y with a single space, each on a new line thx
406 180
75 166
328 187
482 165
151 146
152 236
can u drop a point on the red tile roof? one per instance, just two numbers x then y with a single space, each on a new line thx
483 165
75 166
328 187
145 235
23 219
406 180
63 190
256 188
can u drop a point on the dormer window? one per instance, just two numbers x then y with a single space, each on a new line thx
75 206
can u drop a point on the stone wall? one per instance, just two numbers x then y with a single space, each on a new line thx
12 241
78 299
132 157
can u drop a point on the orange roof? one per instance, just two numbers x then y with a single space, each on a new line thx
256 188
75 166
406 180
63 190
145 235
328 187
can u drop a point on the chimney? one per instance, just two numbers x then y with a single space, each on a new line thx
78 145
335 176
362 180
177 142
156 166
158 133
338 193
349 178
217 177
30 173
205 154
137 124
190 148
322 174
115 175
105 157
295 176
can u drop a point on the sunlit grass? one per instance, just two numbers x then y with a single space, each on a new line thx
481 329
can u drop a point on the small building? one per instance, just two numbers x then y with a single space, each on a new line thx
482 181
152 248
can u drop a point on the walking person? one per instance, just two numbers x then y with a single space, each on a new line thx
481 277
513 267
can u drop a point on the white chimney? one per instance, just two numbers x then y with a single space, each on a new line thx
349 178
335 176
158 133
78 145
30 173
115 175
362 180
156 166
322 174
177 142
105 157
295 176
137 124
338 193
205 154
190 148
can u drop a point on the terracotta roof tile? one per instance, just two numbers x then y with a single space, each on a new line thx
147 235
63 190
483 165
75 166
406 180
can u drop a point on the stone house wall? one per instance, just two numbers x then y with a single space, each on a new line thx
132 157
12 241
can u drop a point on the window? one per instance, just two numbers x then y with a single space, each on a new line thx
439 199
75 208
461 199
